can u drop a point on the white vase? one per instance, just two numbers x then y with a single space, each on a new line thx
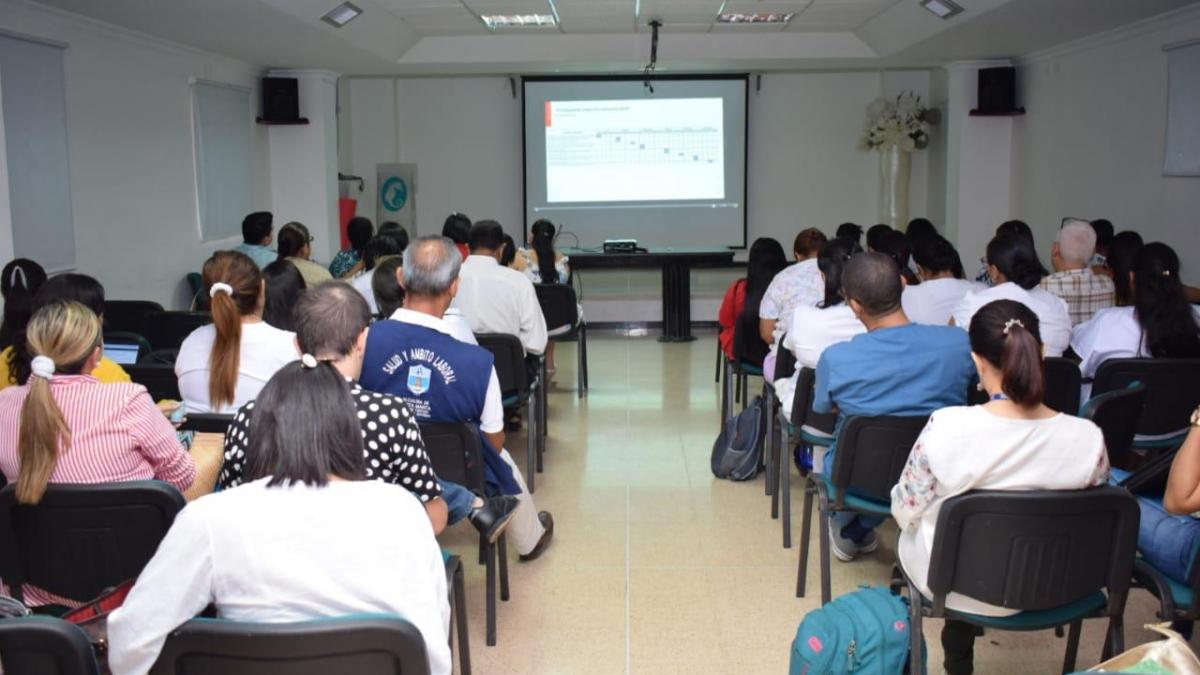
894 167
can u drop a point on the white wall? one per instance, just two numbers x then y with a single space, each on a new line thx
1091 145
129 127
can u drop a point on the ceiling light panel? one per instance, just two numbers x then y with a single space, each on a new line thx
755 17
342 14
942 9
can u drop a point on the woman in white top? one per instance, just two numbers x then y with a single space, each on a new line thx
223 366
1014 442
812 329
309 537
942 287
543 265
1016 271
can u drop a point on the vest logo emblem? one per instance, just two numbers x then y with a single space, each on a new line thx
418 379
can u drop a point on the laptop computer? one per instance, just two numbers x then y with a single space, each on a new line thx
123 353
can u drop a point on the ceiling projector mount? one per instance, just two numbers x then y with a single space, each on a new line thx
654 24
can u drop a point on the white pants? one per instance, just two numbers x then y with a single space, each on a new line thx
525 530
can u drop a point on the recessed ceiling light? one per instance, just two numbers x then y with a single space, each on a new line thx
517 20
342 14
756 17
943 9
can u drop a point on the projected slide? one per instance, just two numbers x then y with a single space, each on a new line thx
635 150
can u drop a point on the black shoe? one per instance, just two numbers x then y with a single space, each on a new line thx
493 517
544 542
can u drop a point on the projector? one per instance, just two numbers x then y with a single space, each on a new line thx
620 246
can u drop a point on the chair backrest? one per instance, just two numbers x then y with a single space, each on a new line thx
802 412
167 330
559 304
748 345
1118 414
456 452
785 361
362 645
43 645
128 316
1063 382
206 423
509 356
158 379
1172 390
871 453
81 539
1037 549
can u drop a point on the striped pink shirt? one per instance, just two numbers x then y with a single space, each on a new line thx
117 434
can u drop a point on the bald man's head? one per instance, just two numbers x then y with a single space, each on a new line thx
431 265
873 281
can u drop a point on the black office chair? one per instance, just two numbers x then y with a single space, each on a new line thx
43 645
519 392
871 454
167 330
363 645
1058 556
750 351
1177 601
1118 414
1172 393
82 539
128 316
200 300
1063 382
458 612
785 366
456 453
560 307
206 423
806 426
158 379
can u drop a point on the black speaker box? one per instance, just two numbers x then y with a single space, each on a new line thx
997 90
280 101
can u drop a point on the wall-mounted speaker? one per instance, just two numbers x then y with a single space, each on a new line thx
280 99
997 90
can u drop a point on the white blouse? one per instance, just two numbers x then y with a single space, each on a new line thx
970 448
286 554
812 330
1050 309
265 349
933 302
1112 333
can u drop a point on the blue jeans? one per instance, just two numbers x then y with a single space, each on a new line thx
1168 542
848 524
458 500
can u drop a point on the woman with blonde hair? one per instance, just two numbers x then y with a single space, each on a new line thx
64 426
295 246
223 366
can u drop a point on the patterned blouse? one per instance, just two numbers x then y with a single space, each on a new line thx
343 262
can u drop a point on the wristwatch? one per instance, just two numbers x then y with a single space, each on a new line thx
1196 417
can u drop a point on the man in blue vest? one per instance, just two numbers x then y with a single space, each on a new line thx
415 356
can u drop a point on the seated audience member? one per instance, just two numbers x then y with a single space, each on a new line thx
1119 265
15 361
919 228
1169 535
896 368
1084 291
225 364
331 325
1159 324
509 258
415 356
381 247
894 244
540 262
284 288
19 280
385 284
348 261
65 426
308 537
1016 272
1104 236
830 322
850 230
766 259
497 299
1014 227
875 235
942 284
457 228
256 236
1013 442
798 284
295 246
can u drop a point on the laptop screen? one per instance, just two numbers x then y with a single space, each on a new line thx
122 353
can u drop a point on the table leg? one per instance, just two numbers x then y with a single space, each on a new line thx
677 303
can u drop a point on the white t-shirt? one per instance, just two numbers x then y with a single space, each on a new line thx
933 302
799 284
286 554
812 330
1050 309
969 448
362 284
265 349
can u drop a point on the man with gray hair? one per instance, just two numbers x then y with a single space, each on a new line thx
427 358
1084 291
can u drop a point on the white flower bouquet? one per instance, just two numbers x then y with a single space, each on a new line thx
903 122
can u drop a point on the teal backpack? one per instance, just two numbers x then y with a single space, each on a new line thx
866 632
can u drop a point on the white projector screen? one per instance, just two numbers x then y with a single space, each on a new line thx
607 159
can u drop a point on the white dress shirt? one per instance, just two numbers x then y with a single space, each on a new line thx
265 349
1112 333
933 302
1050 309
812 330
498 299
287 554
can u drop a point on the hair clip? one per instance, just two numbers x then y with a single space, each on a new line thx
43 367
308 361
12 278
1166 273
1010 323
220 287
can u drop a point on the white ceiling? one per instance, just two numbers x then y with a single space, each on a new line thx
447 36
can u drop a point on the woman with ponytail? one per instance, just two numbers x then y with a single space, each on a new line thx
295 246
225 364
1013 442
19 281
540 262
1016 272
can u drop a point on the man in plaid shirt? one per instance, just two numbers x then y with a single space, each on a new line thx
1084 291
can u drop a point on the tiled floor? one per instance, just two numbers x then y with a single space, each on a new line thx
659 568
